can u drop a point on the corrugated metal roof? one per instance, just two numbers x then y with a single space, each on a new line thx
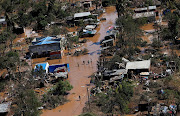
90 27
47 40
82 14
139 64
4 107
2 20
140 9
152 7
107 40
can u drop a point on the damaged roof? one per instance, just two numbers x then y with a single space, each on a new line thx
4 107
139 64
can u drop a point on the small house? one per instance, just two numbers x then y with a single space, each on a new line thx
138 66
149 12
108 41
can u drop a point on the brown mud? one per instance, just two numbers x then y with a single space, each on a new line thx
78 75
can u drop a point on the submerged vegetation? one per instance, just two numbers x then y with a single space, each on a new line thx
108 97
55 96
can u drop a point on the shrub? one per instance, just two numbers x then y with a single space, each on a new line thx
144 43
85 51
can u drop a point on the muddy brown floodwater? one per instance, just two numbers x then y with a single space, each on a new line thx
78 76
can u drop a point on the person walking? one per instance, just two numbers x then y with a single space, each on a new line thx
83 62
79 97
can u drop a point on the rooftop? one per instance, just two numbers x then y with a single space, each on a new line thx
82 14
46 40
4 107
145 8
139 64
2 19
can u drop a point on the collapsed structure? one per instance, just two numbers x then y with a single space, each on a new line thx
149 12
56 70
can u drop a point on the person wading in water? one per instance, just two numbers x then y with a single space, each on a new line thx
79 97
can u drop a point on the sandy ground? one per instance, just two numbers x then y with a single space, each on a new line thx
78 76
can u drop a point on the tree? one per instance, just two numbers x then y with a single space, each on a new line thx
27 102
116 99
55 96
129 29
156 43
10 62
87 114
121 7
173 30
62 87
97 3
20 6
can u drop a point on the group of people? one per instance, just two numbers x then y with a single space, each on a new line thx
88 62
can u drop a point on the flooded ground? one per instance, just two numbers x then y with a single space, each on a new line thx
78 76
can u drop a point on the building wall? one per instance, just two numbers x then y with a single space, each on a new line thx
44 48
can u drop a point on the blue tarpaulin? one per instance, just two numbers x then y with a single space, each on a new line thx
53 67
41 64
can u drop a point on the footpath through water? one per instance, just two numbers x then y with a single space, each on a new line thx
78 75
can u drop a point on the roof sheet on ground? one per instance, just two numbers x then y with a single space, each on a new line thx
138 64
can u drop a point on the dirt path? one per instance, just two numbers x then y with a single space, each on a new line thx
78 76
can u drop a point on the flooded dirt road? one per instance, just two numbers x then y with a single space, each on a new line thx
78 76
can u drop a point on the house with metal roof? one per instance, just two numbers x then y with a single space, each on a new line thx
149 12
45 45
139 66
109 40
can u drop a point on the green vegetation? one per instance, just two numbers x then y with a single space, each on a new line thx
2 84
87 114
55 96
112 63
9 61
61 88
121 7
41 13
26 101
116 99
173 26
